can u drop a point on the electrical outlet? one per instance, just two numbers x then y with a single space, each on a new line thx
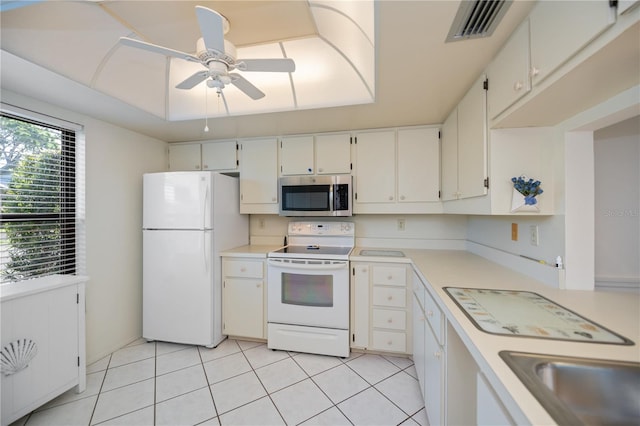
533 235
514 232
400 224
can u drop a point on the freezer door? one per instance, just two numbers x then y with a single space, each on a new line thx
177 200
178 287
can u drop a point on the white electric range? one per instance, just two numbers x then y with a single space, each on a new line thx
308 289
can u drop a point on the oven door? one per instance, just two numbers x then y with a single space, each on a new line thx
311 292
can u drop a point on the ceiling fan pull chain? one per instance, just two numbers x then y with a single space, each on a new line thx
206 109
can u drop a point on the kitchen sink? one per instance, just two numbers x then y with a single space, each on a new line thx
580 390
384 253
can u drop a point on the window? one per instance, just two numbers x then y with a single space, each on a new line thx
38 199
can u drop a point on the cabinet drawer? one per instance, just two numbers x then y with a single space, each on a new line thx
386 318
390 275
388 296
393 341
243 268
434 317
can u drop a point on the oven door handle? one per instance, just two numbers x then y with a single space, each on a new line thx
310 266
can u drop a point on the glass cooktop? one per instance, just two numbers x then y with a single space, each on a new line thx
313 250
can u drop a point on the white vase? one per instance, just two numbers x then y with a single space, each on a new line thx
518 204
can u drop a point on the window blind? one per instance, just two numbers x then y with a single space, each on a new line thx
38 199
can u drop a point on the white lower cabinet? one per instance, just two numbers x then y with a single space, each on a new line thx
429 351
490 410
381 307
244 297
46 315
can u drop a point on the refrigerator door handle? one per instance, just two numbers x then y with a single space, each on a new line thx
204 196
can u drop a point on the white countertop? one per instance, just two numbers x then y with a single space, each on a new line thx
619 312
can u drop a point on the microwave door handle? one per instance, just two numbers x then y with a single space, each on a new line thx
331 196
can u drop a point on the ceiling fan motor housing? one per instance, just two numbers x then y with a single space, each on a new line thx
228 56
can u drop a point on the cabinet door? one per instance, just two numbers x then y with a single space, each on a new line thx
259 176
184 157
418 165
220 155
449 157
434 380
375 167
296 156
333 154
243 307
559 29
360 302
508 73
418 342
472 141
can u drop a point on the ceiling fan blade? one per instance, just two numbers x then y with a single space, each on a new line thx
266 65
158 49
244 85
212 28
194 80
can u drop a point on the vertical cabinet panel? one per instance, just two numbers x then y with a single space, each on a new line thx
449 157
259 176
418 173
508 73
376 167
472 141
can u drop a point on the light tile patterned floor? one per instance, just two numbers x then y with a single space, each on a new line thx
238 383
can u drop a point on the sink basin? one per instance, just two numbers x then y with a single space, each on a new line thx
580 390
384 253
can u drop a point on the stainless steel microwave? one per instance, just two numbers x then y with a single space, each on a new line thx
315 195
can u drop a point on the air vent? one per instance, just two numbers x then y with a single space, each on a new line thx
477 18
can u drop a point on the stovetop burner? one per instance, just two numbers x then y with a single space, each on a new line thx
313 250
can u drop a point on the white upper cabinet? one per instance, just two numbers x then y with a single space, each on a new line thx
375 167
559 29
464 146
333 153
508 73
296 155
319 154
213 156
184 157
221 155
418 168
397 171
259 176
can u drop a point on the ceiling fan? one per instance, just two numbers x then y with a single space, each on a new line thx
218 56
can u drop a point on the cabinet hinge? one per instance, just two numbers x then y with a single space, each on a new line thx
77 298
439 134
355 140
355 196
353 271
439 195
613 3
78 361
350 140
350 166
486 182
238 163
485 84
353 337
237 146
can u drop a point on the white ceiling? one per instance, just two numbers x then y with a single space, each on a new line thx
67 53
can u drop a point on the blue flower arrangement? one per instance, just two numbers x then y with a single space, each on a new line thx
529 188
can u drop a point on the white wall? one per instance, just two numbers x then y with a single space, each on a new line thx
115 161
617 204
421 231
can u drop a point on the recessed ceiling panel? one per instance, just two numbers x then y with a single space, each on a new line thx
136 77
69 38
323 78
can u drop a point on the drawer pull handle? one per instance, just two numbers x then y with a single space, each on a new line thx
243 269
390 342
390 320
390 298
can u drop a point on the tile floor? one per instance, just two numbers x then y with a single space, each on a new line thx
238 383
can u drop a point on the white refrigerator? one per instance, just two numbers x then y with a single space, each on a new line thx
188 219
